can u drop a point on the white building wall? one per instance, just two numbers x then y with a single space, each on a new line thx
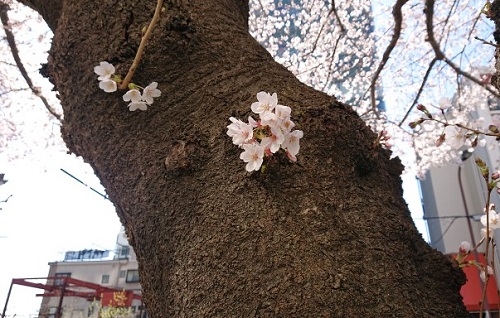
446 205
90 271
119 271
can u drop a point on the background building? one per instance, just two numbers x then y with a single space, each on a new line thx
112 276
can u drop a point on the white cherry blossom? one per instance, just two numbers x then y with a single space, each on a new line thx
455 136
253 155
291 143
266 137
266 103
240 132
274 141
283 112
464 247
150 92
108 86
133 95
286 125
105 70
133 106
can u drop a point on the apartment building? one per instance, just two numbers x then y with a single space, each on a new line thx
89 278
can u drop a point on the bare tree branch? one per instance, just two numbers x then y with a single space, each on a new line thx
420 90
315 44
13 90
334 10
485 42
5 201
398 19
4 8
429 15
330 64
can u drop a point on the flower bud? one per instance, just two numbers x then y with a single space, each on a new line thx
495 175
440 140
415 123
421 108
464 247
474 142
483 273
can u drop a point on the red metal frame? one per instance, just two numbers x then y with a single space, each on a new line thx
69 287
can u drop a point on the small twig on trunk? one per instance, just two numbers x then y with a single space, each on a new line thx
142 45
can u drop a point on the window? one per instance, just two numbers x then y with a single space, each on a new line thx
59 282
52 312
105 279
132 276
123 252
123 274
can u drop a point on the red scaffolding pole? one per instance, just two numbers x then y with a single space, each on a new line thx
71 287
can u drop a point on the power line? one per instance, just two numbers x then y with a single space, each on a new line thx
105 196
475 217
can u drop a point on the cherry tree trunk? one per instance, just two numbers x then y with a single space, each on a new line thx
329 236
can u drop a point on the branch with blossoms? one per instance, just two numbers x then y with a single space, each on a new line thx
261 139
142 45
455 134
462 258
490 221
110 82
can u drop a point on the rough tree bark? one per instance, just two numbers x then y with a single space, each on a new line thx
328 237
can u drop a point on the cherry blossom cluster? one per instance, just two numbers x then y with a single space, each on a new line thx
454 128
262 138
491 220
455 135
108 81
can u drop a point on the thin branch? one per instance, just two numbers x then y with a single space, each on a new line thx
485 42
398 19
474 25
12 90
5 200
315 44
261 6
450 12
142 45
343 32
330 66
334 9
424 81
429 15
4 17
